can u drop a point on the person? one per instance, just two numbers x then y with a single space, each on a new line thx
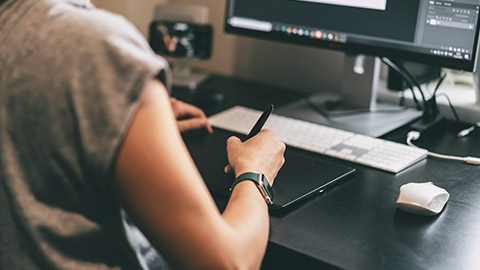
91 149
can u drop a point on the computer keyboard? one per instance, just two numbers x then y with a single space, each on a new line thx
346 145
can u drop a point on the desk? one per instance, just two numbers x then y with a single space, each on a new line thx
356 225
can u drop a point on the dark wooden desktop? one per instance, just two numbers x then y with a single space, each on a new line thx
356 225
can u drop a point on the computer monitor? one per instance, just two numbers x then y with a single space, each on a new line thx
440 32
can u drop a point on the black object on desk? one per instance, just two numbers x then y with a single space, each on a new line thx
300 177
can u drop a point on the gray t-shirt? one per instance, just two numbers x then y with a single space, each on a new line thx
70 81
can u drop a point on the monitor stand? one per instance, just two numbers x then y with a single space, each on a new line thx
355 107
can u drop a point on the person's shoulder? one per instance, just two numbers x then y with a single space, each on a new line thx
92 24
87 35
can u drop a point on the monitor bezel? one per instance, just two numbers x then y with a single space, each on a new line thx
357 48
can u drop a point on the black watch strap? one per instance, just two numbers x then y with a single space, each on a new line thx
245 177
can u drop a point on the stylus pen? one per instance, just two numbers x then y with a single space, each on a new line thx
256 129
260 122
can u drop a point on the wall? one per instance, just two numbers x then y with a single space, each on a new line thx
289 66
140 12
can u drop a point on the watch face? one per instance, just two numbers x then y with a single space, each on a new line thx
266 190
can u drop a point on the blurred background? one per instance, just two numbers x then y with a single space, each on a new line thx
306 69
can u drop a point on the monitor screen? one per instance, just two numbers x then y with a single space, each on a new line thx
435 32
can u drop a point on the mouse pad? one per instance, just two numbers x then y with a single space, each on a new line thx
299 178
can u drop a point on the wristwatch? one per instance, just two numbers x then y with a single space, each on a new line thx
260 181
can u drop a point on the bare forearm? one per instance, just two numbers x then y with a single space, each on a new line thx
247 214
164 194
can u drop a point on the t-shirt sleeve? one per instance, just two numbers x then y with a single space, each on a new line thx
106 65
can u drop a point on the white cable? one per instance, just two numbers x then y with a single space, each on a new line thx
465 132
415 135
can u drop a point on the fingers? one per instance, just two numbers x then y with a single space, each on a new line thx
233 141
263 153
196 117
194 123
182 109
208 127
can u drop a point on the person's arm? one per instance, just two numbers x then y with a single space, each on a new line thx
163 192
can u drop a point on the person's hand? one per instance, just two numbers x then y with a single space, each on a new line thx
262 153
189 117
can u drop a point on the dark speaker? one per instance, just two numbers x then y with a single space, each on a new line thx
181 39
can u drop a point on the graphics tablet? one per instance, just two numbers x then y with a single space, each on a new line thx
299 178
